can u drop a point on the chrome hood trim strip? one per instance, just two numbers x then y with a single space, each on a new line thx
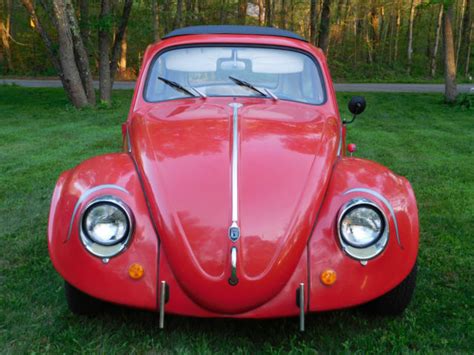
385 202
234 229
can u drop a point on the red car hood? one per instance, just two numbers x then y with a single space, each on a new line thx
183 150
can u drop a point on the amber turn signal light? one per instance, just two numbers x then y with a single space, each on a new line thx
136 271
328 277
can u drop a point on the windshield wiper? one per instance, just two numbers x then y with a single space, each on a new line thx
180 87
247 85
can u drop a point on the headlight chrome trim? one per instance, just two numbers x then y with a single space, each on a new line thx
374 248
102 250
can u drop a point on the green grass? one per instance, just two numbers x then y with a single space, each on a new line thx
415 135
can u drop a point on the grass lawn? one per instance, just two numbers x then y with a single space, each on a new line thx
415 135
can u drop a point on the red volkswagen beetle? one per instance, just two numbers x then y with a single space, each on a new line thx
234 196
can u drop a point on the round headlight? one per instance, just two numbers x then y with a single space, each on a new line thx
362 226
106 226
106 223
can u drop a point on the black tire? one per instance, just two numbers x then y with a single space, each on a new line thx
81 303
395 301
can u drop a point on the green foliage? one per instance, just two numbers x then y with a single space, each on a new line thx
348 49
417 136
465 101
105 23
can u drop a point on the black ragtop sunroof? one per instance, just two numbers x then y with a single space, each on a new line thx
233 29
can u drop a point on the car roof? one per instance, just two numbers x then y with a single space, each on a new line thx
233 29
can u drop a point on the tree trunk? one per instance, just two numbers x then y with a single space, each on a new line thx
339 7
223 12
410 35
117 46
325 26
156 20
434 52
166 15
374 30
283 14
344 23
242 11
465 36
81 56
5 32
261 13
460 32
178 20
292 15
398 22
51 50
468 54
189 15
67 57
451 91
313 22
105 86
122 65
84 21
268 13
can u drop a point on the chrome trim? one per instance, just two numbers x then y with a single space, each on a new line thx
233 280
271 94
302 306
129 145
84 196
200 93
370 251
339 149
162 304
385 202
234 230
100 250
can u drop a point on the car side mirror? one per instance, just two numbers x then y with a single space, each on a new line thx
356 107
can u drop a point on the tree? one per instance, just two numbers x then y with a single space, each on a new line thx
81 55
122 64
156 20
118 39
5 11
84 22
104 46
261 12
451 91
242 11
465 38
178 20
434 51
71 59
469 48
269 13
374 30
313 21
398 23
66 55
283 14
108 58
410 35
324 29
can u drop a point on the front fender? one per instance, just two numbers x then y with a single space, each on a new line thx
357 283
111 174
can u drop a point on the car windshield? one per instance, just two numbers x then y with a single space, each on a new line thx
212 71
